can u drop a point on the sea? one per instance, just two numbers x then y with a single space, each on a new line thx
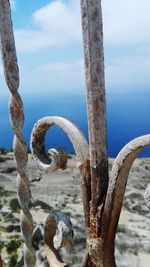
128 116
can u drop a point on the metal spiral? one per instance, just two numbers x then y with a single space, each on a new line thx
37 143
58 160
47 160
58 233
17 121
117 185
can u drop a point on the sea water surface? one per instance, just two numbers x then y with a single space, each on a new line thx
128 116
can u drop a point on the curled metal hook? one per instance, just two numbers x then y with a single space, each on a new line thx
54 159
117 184
58 233
58 158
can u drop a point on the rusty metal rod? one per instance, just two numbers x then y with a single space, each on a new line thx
11 71
96 103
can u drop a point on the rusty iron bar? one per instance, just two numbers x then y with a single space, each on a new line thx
116 190
58 233
11 71
92 29
96 102
81 147
45 160
82 151
102 200
1 263
104 216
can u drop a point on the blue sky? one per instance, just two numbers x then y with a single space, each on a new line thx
49 46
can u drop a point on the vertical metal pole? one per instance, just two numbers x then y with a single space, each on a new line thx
11 70
92 28
96 103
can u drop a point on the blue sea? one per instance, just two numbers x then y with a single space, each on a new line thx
128 116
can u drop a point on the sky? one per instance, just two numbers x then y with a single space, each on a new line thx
50 52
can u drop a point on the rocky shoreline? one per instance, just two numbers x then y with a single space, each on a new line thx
62 191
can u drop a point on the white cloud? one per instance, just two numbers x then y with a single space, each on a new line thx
57 24
126 22
65 69
130 71
60 18
54 77
62 75
32 40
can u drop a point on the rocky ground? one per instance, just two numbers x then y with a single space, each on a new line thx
62 191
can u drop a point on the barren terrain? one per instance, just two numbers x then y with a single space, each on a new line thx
62 191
